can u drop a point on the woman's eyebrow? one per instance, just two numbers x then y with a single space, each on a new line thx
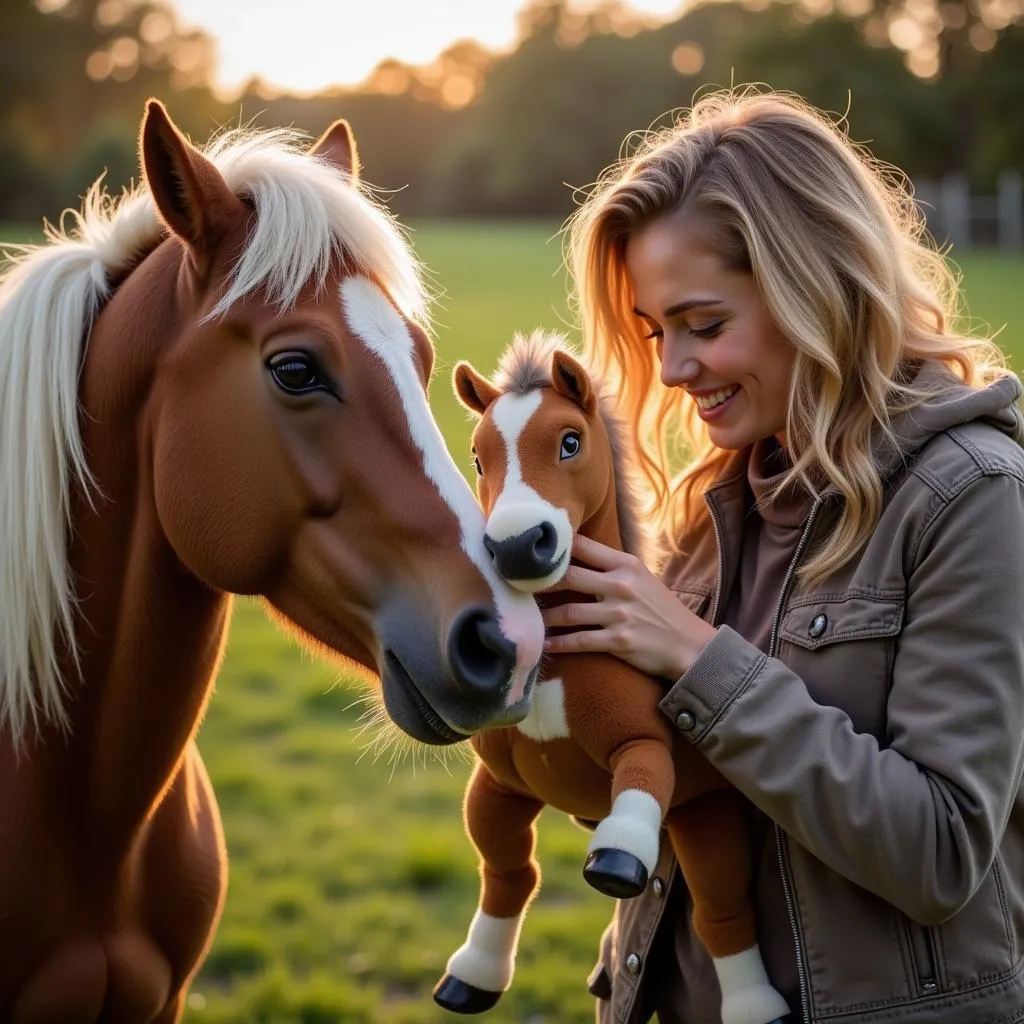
680 307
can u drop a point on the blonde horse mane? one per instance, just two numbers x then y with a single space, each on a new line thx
308 213
525 366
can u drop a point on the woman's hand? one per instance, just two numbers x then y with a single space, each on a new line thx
637 617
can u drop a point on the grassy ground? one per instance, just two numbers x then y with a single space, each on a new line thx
351 881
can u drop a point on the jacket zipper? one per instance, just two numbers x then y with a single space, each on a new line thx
922 944
720 549
780 848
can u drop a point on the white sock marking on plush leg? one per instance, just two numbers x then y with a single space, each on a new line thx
634 825
747 995
487 959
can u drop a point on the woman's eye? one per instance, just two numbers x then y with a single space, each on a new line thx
296 373
709 331
570 445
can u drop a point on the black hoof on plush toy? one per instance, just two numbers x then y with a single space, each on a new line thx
616 873
459 997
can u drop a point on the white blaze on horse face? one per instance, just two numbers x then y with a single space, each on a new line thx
377 324
519 507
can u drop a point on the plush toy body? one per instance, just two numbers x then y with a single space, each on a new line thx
552 463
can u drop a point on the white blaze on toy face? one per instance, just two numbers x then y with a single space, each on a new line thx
519 507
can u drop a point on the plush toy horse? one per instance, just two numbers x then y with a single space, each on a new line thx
552 461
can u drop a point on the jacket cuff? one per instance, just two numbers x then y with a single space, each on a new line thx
722 671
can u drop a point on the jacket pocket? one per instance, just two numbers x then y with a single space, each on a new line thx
843 646
818 621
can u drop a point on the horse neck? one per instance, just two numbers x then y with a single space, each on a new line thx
149 633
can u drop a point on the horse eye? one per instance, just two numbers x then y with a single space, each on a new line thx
296 373
570 445
476 465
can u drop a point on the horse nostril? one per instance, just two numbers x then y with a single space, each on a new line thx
545 546
481 656
491 545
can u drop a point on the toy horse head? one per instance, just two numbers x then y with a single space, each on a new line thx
551 461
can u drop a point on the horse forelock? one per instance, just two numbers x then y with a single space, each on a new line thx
308 214
525 366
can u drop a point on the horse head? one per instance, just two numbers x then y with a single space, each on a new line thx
255 421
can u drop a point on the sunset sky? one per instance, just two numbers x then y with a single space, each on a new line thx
305 45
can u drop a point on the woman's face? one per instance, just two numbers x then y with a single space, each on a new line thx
714 336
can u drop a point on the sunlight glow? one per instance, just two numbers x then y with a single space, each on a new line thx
304 46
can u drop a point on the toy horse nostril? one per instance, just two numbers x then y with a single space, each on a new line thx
545 547
482 657
526 556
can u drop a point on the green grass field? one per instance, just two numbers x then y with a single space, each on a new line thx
351 881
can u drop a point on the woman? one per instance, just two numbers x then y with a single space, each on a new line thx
839 616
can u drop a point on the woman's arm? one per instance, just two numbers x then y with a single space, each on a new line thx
918 821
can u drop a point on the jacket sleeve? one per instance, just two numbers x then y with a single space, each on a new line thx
917 821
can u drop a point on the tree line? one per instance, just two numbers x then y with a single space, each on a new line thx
932 87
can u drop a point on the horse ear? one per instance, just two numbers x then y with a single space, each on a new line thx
192 198
570 379
474 390
337 146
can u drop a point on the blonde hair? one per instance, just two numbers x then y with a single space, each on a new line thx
838 251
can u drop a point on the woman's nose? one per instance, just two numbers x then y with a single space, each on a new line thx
678 370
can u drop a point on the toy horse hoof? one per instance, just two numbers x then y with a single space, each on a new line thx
459 997
616 873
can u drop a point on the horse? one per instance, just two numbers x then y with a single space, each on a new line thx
214 384
553 461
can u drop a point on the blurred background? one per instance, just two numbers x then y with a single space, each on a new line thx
351 881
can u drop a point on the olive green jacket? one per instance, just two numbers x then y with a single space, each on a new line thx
881 738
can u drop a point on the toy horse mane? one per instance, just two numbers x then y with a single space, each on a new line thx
525 366
308 213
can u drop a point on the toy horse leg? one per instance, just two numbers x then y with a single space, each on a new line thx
624 848
710 837
501 826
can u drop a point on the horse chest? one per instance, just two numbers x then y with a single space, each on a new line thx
547 718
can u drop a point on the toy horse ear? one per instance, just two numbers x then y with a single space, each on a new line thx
337 146
570 379
474 390
192 198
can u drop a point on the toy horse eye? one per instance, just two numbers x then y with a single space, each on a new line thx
296 373
570 445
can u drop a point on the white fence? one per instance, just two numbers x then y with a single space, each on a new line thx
956 217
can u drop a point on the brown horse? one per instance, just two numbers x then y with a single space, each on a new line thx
217 386
552 460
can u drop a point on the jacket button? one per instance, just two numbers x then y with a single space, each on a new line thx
633 964
685 720
818 626
658 886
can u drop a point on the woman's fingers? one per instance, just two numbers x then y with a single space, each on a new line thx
592 613
598 555
575 643
583 581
